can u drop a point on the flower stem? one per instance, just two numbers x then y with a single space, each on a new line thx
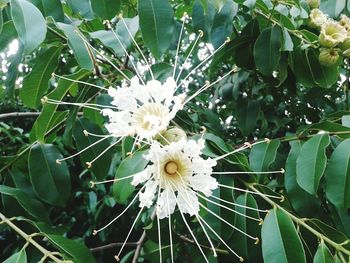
29 239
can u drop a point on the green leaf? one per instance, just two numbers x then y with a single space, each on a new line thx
45 173
32 206
247 116
311 162
287 41
106 9
1 20
53 8
30 24
19 257
42 123
81 7
333 7
81 51
338 176
323 255
101 166
7 35
75 250
263 155
36 83
131 165
280 240
246 247
267 52
308 70
345 121
157 25
303 203
222 23
108 38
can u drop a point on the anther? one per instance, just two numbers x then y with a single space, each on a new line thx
261 221
89 164
257 240
248 144
120 16
44 99
201 33
227 40
117 258
58 161
283 171
138 145
282 199
203 129
53 74
129 153
241 259
86 133
94 232
92 184
267 140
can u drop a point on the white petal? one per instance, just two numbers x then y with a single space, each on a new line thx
154 87
146 197
141 177
188 202
166 204
203 183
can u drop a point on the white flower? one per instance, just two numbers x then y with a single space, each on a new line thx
142 110
332 34
317 18
177 172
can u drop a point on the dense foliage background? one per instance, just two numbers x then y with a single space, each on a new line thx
278 90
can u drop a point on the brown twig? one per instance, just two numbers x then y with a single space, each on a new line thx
22 115
113 245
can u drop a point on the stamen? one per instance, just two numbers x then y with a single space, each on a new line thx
245 146
186 59
126 52
200 64
170 232
251 192
207 85
111 180
137 46
123 212
89 164
127 237
103 56
58 161
83 105
188 227
79 81
251 172
87 133
178 43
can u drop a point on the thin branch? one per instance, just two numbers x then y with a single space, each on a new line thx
188 240
113 245
139 246
22 115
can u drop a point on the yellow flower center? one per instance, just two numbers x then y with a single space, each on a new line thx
171 168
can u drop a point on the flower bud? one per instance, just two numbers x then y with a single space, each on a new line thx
345 22
317 18
332 34
328 57
313 3
346 44
172 135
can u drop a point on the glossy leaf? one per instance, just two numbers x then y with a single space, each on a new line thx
19 257
45 173
131 165
32 206
311 163
338 176
323 255
280 240
304 203
106 9
36 83
42 124
81 7
81 51
101 166
267 50
8 34
30 24
308 70
333 7
263 155
108 38
247 116
157 24
74 250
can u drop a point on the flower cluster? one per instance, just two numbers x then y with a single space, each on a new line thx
177 178
334 36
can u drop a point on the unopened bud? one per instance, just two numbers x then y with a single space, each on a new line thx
313 3
328 57
317 18
172 135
